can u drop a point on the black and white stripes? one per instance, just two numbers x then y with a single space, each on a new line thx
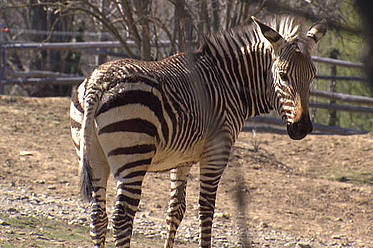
130 117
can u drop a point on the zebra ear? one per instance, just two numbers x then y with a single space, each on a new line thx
276 40
314 34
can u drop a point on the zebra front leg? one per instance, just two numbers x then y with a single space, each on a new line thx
176 207
208 189
212 167
128 198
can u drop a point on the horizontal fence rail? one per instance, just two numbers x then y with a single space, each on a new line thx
347 108
82 45
76 45
37 73
342 97
46 80
338 62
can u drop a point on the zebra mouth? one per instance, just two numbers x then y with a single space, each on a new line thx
300 129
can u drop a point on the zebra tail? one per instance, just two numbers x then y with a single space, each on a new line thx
86 187
90 107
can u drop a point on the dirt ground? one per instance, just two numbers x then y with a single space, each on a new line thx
318 190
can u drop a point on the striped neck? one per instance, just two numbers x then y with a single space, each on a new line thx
242 63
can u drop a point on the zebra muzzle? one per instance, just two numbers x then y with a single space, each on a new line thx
298 130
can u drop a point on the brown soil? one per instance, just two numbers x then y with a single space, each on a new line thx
318 190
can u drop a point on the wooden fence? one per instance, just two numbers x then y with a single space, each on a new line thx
42 77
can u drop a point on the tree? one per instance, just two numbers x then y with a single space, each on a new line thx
40 22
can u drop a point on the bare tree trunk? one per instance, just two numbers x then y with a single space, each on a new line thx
46 19
245 11
215 15
366 9
143 10
183 26
38 20
178 31
204 24
236 18
228 15
127 6
102 58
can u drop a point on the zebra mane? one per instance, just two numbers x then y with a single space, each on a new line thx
290 28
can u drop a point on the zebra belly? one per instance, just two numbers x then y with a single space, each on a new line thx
165 160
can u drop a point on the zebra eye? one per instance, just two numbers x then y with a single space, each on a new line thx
283 76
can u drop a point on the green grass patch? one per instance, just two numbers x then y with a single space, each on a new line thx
353 176
27 232
23 231
345 175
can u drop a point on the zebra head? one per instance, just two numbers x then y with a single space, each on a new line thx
291 76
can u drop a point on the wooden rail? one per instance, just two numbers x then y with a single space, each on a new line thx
50 80
343 97
347 108
75 45
37 74
338 62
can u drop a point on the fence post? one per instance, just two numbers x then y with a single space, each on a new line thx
332 88
3 30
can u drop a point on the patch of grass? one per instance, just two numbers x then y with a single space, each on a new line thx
27 232
23 231
355 176
348 175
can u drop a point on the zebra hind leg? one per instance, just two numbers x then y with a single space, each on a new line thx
99 219
100 174
176 207
129 179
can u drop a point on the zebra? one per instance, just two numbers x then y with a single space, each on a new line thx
129 117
